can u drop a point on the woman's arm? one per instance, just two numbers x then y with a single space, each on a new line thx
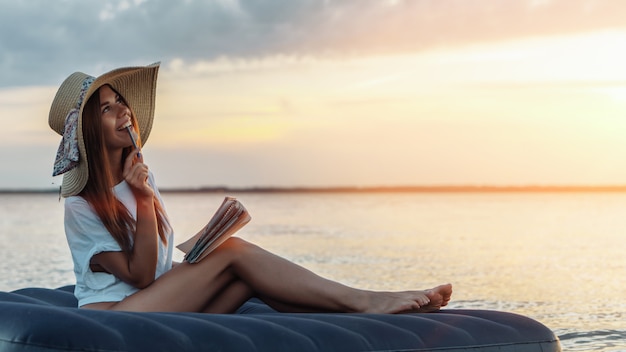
137 269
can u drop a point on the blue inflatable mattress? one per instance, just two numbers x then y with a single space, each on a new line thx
38 319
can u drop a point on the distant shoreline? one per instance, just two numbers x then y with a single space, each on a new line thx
371 189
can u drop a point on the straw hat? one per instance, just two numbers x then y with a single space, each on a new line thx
138 87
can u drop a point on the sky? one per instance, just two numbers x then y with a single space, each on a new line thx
289 93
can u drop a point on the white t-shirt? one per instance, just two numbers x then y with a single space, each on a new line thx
87 236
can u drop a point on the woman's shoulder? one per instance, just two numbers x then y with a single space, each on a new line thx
78 207
76 202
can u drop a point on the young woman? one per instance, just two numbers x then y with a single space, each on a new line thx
120 237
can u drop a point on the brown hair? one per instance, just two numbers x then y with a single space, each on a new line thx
99 188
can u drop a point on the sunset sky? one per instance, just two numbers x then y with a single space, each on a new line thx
335 93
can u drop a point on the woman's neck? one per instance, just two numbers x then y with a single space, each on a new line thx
116 166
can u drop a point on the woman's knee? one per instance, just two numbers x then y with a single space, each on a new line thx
236 246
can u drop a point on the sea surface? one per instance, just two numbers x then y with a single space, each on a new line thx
559 258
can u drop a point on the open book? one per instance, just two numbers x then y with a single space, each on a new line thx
229 218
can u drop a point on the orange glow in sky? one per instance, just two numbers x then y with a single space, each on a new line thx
533 111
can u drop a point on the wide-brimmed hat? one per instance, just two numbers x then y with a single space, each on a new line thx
138 87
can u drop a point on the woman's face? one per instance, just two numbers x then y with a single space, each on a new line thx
115 114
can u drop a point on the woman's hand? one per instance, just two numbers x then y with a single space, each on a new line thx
136 175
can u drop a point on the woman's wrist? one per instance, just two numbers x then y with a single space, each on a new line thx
145 202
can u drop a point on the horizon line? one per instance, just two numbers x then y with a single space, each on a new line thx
368 189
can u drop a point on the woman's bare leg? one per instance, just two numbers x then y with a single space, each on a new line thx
238 292
229 299
196 287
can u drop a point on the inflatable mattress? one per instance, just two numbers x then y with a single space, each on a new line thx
38 319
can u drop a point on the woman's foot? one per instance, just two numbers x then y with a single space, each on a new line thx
439 297
409 301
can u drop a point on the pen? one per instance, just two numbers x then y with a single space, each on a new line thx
132 139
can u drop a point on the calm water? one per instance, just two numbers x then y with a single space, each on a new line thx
558 258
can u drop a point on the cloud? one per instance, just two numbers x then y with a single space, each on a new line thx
43 41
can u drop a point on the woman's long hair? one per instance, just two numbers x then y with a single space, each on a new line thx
99 188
